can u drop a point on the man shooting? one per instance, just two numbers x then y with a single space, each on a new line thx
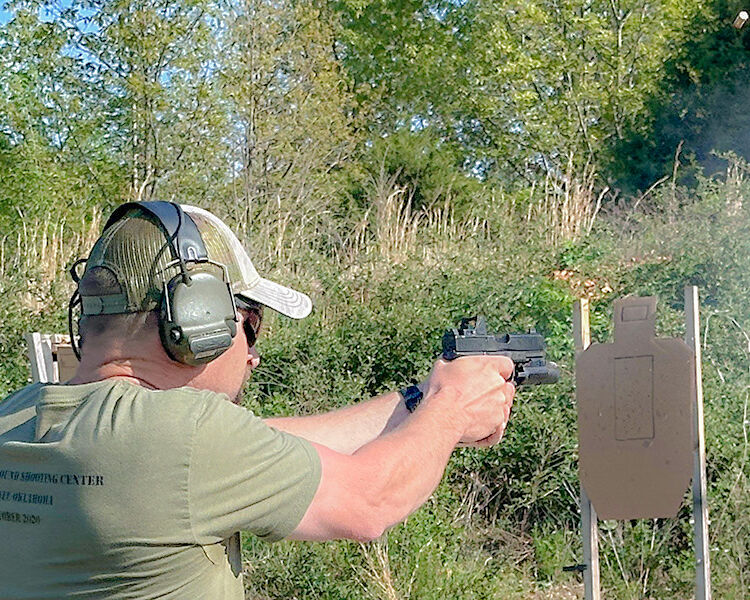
133 478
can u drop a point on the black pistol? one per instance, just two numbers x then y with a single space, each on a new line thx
526 350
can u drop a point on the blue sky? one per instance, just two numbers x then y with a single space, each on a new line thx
51 12
6 15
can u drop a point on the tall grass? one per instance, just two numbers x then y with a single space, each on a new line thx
569 205
42 251
386 279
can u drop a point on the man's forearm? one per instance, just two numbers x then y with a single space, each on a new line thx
362 494
385 480
347 429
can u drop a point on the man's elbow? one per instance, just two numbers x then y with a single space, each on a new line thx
356 500
346 514
375 514
368 532
357 527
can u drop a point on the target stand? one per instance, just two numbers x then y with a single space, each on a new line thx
640 428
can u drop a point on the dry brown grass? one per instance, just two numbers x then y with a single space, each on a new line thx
570 204
394 230
376 577
43 251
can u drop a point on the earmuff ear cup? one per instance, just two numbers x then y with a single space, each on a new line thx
203 318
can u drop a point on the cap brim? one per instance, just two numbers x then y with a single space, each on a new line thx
282 299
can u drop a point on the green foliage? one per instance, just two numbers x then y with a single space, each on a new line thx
522 89
402 162
293 120
429 171
696 103
553 551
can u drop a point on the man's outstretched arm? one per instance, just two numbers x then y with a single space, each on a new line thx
362 494
347 429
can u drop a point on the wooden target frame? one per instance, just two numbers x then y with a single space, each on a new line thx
589 519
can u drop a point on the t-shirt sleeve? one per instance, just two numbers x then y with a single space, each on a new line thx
245 475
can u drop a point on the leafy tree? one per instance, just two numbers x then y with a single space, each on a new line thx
697 106
524 89
53 135
293 128
154 62
129 81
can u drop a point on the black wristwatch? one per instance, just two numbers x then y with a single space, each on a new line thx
412 397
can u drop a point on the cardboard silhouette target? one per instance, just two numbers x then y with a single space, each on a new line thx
635 417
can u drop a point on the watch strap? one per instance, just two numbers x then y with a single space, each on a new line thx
412 397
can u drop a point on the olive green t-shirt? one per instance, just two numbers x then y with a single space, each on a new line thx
110 490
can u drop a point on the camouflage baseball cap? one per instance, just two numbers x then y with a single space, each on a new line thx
135 250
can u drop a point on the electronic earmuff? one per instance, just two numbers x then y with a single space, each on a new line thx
197 315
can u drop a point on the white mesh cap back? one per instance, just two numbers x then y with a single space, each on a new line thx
224 247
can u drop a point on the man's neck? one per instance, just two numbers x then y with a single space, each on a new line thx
144 364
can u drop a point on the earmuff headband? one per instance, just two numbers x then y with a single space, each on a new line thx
179 228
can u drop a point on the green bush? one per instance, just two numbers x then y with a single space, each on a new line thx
504 521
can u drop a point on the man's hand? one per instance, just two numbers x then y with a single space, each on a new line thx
482 395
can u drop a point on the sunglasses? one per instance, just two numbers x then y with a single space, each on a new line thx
252 318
